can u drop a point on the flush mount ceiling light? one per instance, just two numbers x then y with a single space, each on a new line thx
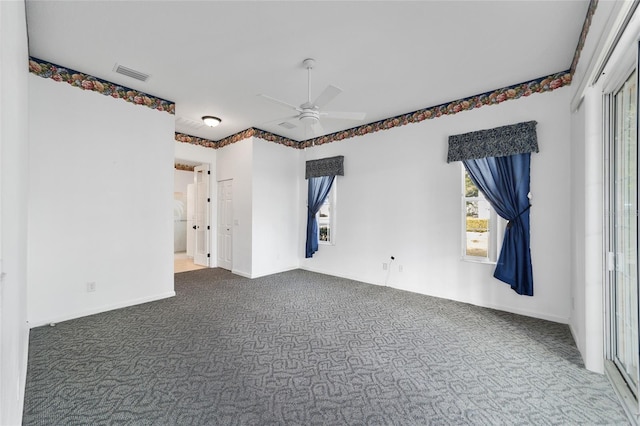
211 121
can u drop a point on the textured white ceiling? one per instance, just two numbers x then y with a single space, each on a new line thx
389 57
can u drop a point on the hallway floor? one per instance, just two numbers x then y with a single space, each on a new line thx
184 263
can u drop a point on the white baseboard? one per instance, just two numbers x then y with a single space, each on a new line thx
333 274
100 309
574 334
263 274
275 271
241 273
524 312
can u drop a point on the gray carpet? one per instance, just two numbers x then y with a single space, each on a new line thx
300 348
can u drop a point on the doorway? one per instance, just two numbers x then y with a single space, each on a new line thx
191 216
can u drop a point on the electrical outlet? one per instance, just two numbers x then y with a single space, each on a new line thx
91 286
400 268
384 266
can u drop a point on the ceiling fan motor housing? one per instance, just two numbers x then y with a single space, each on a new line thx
309 116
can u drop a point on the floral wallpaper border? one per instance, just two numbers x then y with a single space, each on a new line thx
84 81
245 134
184 167
195 140
593 4
539 85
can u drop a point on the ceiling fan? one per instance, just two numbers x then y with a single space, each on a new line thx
309 113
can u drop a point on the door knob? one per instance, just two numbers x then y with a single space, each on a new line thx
194 227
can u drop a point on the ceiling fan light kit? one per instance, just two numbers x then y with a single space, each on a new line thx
211 121
309 112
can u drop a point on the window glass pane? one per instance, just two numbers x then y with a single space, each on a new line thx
472 211
477 232
470 190
477 221
625 233
324 221
325 233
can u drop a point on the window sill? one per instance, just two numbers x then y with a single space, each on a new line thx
478 260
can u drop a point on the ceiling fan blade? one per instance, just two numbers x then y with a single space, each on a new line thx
344 115
279 102
327 96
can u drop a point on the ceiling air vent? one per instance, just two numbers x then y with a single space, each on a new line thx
287 125
130 72
187 122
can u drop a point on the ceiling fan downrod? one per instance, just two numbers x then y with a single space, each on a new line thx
309 63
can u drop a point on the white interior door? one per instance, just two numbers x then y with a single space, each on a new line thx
191 219
201 225
225 224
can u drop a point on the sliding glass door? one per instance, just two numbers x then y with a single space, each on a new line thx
623 239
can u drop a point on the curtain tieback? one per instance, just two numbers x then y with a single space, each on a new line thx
510 223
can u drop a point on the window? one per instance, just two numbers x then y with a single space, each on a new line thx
481 226
327 218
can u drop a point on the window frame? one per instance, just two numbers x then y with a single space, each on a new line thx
496 226
332 201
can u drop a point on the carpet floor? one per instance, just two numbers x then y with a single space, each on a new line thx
300 348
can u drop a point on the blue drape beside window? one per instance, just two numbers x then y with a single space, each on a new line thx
505 181
319 188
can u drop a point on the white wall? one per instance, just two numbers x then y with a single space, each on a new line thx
278 174
591 188
100 204
578 206
400 198
235 162
14 333
587 317
188 152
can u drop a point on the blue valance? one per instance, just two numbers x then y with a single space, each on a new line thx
332 166
498 142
